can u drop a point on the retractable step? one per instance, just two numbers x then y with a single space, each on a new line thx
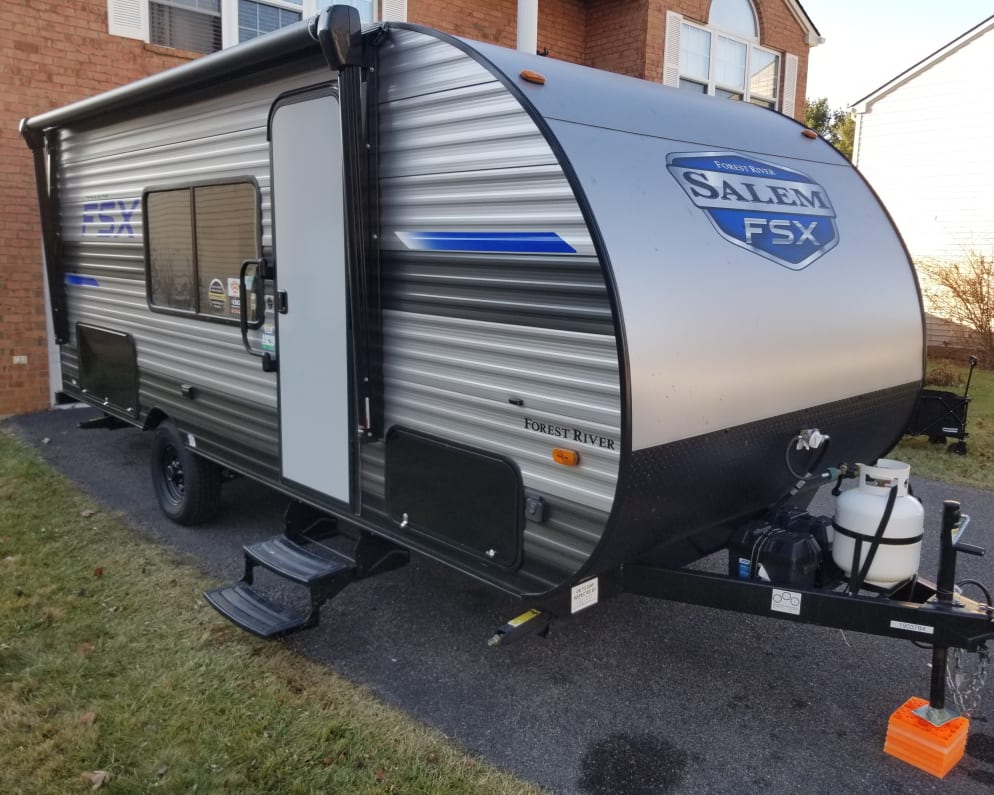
295 562
323 571
254 612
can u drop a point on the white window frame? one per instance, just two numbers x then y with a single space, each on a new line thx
130 18
787 79
752 45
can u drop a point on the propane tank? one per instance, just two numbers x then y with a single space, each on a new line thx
858 515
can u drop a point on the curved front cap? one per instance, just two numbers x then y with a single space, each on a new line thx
760 289
756 272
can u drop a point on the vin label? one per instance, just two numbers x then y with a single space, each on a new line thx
907 626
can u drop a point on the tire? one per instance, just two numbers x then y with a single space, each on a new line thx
187 486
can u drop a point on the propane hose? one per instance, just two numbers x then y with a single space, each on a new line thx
802 480
809 440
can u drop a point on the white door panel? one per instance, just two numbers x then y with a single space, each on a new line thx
312 339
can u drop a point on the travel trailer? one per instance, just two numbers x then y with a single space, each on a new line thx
562 330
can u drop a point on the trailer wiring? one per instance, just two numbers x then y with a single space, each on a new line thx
977 584
980 586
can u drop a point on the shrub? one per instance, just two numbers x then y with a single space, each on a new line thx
941 375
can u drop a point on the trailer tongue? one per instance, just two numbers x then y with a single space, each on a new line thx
564 331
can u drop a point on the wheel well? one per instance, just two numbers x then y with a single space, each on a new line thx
154 418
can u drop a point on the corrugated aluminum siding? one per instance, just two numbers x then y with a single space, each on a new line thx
466 332
217 140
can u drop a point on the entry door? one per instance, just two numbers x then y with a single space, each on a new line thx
312 336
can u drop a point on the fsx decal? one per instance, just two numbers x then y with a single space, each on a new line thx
773 211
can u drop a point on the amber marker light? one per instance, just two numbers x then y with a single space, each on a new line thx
533 77
568 458
809 134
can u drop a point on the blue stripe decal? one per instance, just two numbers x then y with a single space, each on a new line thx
497 242
81 281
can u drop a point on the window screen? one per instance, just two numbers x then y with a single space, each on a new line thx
197 240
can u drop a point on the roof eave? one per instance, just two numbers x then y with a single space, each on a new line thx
863 104
811 34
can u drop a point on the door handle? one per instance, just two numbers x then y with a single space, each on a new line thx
263 271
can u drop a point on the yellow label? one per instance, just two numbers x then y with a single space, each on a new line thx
517 622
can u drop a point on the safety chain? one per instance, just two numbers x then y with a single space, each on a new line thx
966 678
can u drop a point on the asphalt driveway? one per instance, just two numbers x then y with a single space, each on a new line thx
633 696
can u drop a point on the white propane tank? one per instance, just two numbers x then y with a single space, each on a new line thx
857 516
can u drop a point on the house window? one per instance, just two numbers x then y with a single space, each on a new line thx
193 25
196 239
256 18
208 25
723 58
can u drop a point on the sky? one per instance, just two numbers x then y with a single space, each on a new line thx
868 42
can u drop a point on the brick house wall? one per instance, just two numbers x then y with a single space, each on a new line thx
54 54
51 54
562 24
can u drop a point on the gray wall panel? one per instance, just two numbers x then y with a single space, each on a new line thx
465 331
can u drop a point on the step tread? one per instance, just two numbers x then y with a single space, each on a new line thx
254 612
295 562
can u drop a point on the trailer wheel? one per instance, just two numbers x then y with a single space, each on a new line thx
187 485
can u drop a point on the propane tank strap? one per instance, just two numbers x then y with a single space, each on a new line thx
870 537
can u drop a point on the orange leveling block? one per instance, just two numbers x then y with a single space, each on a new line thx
924 733
919 742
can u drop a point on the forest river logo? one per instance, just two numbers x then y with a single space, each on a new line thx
776 212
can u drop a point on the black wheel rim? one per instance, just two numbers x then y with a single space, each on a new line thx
172 474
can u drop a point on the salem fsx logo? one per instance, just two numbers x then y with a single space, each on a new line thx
776 212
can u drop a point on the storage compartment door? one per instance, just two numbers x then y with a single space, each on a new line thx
312 333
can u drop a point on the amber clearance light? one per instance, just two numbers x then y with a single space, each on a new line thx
568 458
533 77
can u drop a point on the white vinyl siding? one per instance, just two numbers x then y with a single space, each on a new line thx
925 147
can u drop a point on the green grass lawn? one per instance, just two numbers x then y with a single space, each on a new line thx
976 468
111 661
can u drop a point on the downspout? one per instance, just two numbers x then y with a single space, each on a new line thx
528 26
40 145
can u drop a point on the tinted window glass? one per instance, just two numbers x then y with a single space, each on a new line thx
227 235
169 227
197 240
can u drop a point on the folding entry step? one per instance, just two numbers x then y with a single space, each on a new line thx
299 559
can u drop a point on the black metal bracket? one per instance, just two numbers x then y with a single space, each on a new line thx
46 184
338 30
106 421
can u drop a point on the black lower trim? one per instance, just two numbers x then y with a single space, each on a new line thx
669 492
